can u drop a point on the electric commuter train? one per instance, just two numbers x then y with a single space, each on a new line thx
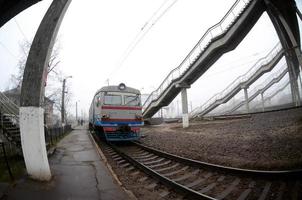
116 113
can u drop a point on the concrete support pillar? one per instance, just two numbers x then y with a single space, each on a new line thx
283 16
262 101
185 115
32 93
300 90
293 78
33 142
246 96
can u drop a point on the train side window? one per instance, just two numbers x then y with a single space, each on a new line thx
98 101
112 99
132 100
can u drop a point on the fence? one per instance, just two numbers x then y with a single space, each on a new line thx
11 158
53 135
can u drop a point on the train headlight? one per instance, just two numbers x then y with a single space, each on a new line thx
138 116
105 116
122 86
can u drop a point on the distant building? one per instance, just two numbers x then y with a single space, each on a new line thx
14 96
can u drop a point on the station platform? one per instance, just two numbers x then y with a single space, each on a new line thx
78 173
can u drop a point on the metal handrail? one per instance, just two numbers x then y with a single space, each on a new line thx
239 80
261 87
216 30
9 108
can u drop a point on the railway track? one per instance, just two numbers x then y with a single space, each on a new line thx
198 180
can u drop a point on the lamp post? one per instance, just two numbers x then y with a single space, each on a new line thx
63 101
76 111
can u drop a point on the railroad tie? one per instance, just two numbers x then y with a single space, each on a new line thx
211 186
135 173
229 189
246 192
160 165
166 168
148 159
294 193
186 176
265 191
118 159
281 191
198 181
164 194
121 161
146 155
130 168
154 161
151 186
125 165
176 172
143 179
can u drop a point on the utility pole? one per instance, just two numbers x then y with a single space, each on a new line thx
76 111
62 104
63 101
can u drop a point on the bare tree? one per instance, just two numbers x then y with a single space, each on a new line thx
53 85
52 66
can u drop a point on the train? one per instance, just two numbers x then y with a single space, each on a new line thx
115 113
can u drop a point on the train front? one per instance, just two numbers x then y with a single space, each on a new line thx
121 113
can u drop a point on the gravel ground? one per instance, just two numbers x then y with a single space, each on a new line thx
268 141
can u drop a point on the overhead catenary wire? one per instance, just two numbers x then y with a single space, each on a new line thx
9 52
155 17
20 29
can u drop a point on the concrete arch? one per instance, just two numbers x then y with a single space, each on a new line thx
32 92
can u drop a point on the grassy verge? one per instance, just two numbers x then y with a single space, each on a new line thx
17 168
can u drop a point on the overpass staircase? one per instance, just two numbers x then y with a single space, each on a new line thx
217 40
262 66
9 121
260 89
270 97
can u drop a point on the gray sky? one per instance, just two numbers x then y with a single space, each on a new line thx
95 37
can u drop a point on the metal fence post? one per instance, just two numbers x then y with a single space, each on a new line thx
6 161
50 135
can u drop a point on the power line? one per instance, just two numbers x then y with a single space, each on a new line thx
20 29
143 31
13 55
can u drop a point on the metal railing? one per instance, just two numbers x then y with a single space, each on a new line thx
239 80
9 108
276 77
4 160
53 135
213 32
10 156
265 83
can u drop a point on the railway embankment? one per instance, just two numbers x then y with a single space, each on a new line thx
268 141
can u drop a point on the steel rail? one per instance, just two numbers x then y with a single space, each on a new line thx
189 193
233 170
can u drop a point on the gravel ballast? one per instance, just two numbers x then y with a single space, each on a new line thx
267 141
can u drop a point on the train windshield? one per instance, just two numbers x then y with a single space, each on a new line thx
113 99
132 100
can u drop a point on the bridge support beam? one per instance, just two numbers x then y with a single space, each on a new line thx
246 96
32 93
262 101
283 16
185 115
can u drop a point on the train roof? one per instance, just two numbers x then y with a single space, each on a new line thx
118 88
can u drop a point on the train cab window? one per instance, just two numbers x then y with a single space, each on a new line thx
98 101
132 100
112 99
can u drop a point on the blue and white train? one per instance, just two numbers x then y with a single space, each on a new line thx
116 113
